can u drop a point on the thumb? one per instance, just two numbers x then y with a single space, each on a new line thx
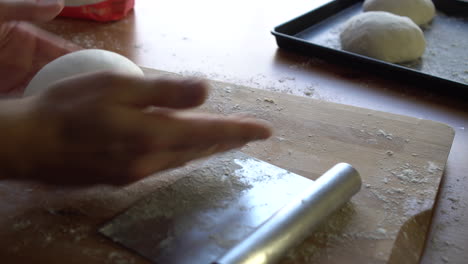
30 10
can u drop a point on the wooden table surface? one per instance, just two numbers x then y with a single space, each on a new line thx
231 41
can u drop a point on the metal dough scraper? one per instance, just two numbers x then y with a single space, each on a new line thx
232 209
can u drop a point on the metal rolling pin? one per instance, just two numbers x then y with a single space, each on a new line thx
295 221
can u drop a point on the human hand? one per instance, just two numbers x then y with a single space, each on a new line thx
24 48
109 128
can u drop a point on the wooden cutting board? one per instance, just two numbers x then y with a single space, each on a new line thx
401 161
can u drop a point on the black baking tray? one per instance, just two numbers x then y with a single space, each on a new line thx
444 65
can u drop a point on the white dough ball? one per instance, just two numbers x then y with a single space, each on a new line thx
383 36
83 61
420 11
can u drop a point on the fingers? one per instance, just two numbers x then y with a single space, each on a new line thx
166 127
163 92
176 139
45 47
30 10
179 130
132 91
48 45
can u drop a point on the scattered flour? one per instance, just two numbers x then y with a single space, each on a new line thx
388 136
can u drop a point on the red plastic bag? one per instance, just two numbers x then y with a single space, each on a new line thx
98 10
